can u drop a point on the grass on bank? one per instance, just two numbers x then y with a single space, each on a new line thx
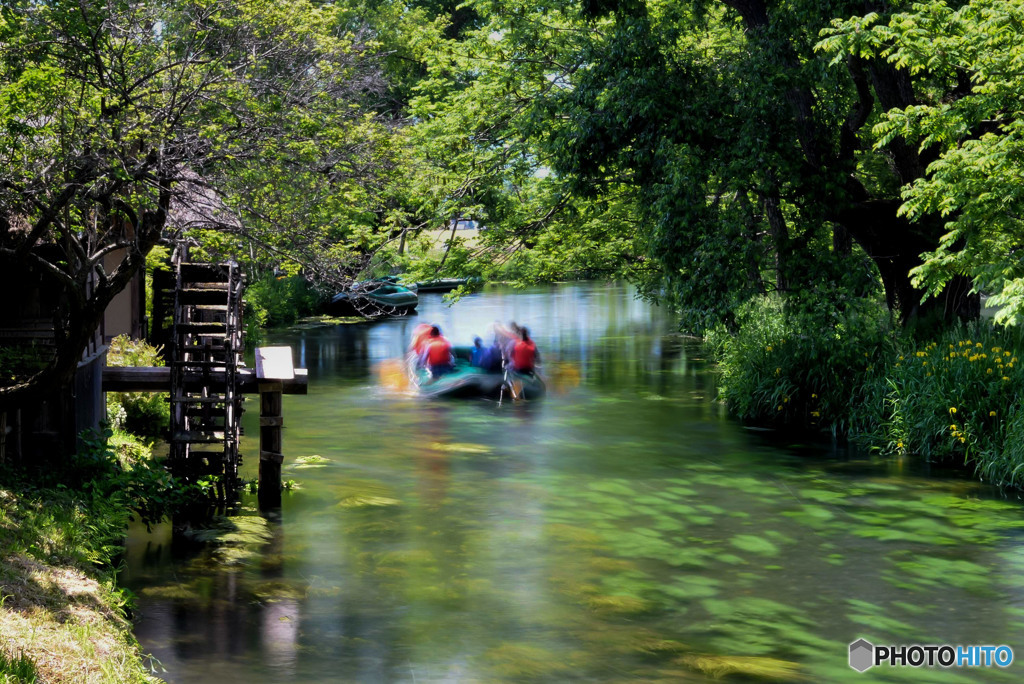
953 396
62 618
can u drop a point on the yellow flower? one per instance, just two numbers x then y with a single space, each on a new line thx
815 413
977 344
901 357
952 409
780 408
899 445
988 370
814 396
1006 353
962 440
928 375
768 348
785 400
1005 378
924 363
992 414
953 428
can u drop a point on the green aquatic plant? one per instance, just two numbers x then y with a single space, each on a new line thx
272 591
313 461
754 544
365 501
236 539
755 667
618 605
461 448
526 661
175 591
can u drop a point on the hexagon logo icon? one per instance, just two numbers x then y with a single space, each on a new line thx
862 655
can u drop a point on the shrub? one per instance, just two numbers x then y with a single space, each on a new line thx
957 398
790 366
275 301
145 414
117 468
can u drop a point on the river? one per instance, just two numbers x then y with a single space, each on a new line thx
623 528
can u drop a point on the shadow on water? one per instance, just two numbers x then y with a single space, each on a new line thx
625 528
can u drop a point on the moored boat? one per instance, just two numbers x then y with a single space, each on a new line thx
382 297
443 284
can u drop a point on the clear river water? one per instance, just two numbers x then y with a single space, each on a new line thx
623 528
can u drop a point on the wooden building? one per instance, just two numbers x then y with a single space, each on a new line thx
29 328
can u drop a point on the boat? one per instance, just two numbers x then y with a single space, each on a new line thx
470 381
443 284
372 298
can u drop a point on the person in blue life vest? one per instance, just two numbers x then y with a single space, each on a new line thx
485 358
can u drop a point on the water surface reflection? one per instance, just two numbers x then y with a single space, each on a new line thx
625 529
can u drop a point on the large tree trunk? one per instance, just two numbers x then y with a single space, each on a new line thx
896 246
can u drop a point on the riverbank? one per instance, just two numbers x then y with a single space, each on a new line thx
62 618
952 396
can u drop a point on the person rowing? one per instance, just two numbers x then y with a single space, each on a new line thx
524 355
437 353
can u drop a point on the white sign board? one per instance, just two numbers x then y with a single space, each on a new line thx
274 363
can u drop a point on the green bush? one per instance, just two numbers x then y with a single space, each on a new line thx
146 414
117 468
956 398
275 301
789 366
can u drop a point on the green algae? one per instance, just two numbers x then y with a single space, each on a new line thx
754 544
618 604
367 501
526 661
719 666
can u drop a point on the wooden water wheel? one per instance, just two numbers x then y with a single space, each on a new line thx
206 348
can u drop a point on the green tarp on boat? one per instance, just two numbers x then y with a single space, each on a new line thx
469 381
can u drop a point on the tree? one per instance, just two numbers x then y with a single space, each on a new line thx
115 110
478 111
969 123
751 160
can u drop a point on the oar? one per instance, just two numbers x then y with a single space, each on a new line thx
504 381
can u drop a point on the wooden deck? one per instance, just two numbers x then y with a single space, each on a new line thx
152 379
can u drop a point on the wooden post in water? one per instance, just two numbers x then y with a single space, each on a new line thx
273 367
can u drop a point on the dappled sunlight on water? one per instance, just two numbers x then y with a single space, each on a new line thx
623 529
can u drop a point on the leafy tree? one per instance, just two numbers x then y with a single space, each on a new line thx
749 156
968 119
478 113
118 114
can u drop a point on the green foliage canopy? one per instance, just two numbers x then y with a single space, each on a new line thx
975 52
126 121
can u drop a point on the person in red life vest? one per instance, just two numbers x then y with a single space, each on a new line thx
437 353
525 356
420 335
